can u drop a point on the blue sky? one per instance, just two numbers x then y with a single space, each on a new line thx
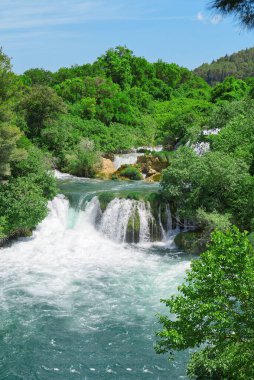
57 33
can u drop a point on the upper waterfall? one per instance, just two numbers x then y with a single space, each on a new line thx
131 158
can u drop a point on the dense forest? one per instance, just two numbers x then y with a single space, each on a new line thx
240 65
71 118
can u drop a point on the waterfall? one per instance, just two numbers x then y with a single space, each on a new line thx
200 148
131 158
123 220
126 159
72 301
128 220
115 219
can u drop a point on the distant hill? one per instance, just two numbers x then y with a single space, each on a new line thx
239 65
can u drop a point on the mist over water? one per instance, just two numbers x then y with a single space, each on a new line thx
74 304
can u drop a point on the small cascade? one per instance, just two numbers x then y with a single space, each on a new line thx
131 158
164 233
200 148
146 220
169 219
114 221
126 159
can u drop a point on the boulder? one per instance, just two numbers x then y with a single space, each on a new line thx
107 170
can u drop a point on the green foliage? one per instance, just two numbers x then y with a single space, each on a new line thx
132 173
226 111
41 106
22 205
163 155
237 138
168 73
193 87
71 90
36 166
240 65
213 182
230 89
177 116
209 222
9 150
38 77
85 161
6 77
116 64
215 307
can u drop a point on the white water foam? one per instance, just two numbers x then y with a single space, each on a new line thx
56 255
126 159
89 284
131 158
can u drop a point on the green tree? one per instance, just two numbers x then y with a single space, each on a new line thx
214 311
239 65
169 73
9 150
85 161
22 206
71 90
39 76
117 65
6 76
41 105
37 167
214 182
230 89
85 108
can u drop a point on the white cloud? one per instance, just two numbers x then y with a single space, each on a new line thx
201 17
32 14
55 12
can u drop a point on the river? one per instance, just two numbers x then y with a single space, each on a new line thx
76 304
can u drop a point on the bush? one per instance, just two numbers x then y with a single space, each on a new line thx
132 173
85 161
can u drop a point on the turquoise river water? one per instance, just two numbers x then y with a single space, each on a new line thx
76 304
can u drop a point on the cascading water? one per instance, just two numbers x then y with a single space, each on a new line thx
115 219
125 220
126 159
75 304
131 158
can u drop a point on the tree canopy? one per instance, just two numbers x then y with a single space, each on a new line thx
214 311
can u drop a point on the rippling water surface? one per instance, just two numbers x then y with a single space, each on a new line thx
75 305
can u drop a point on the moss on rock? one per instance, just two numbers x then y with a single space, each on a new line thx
133 228
193 242
105 199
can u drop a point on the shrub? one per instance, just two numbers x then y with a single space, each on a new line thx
132 173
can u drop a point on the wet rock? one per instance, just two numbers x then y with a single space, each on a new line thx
193 242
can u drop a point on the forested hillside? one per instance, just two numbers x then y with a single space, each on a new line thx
240 65
71 118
